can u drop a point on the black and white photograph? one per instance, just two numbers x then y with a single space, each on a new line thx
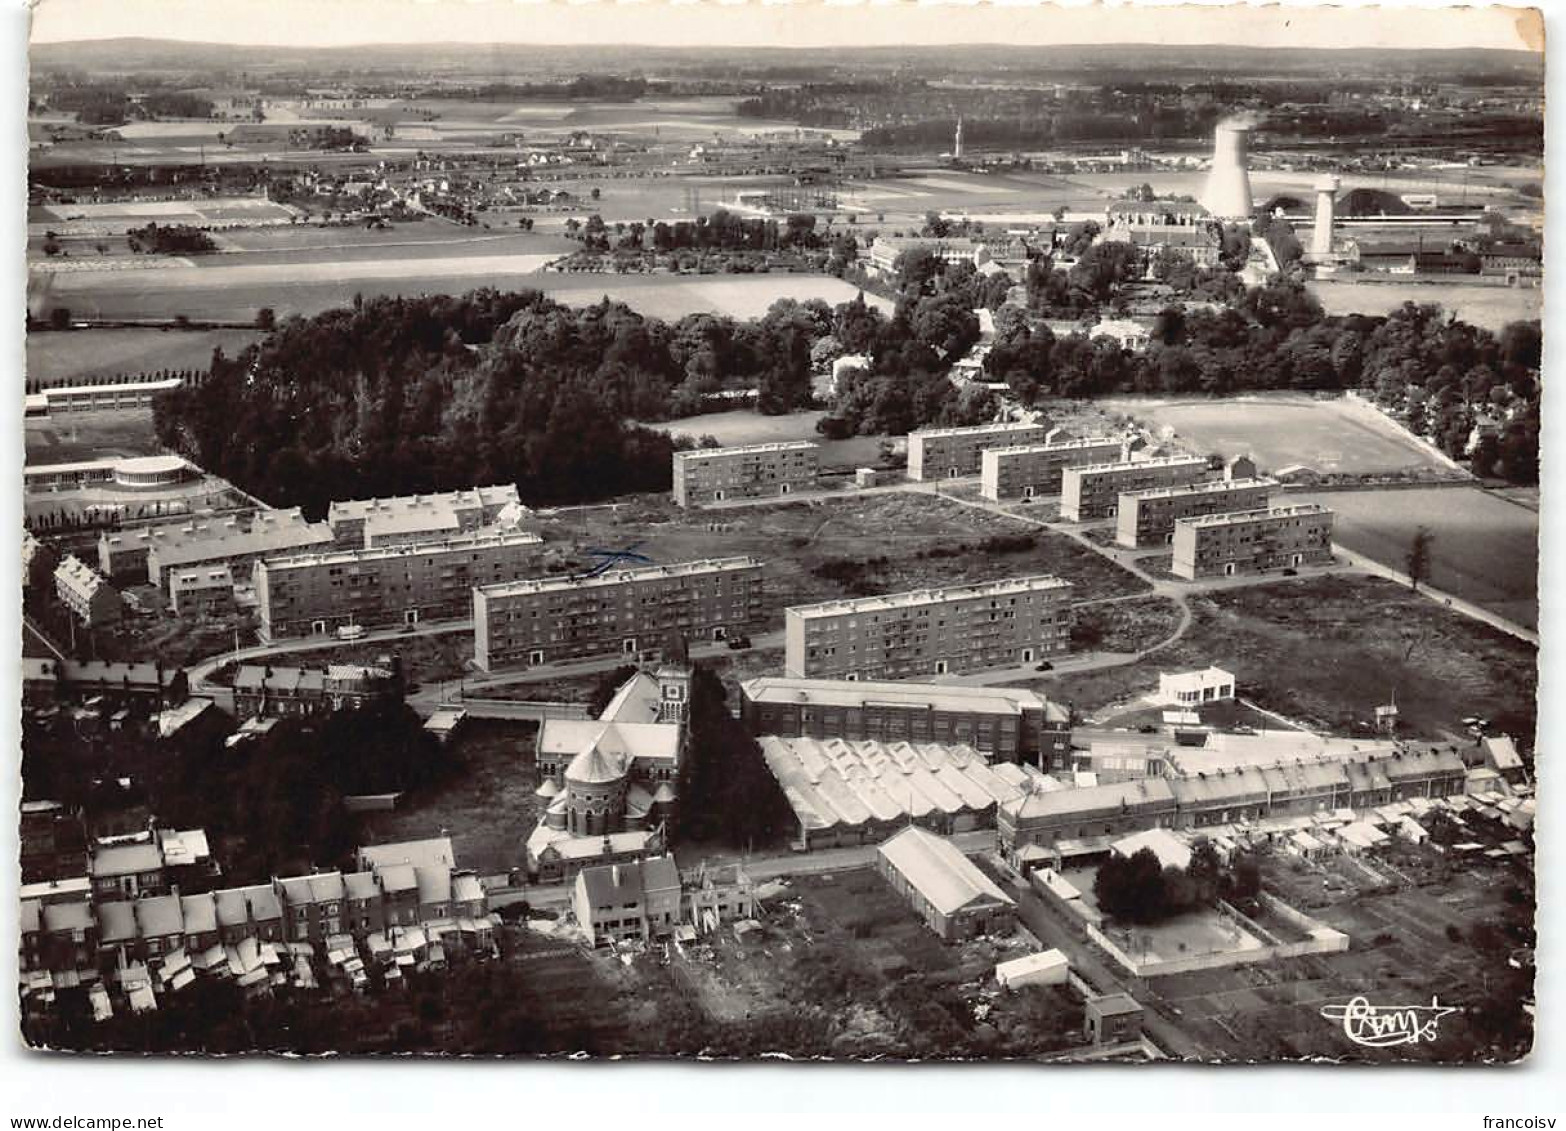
810 531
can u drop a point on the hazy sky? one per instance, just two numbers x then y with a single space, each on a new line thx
783 23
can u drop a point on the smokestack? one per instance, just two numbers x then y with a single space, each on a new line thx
1228 195
1321 235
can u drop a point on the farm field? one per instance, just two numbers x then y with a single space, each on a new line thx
127 214
1326 651
307 245
55 357
1486 306
1486 547
1336 436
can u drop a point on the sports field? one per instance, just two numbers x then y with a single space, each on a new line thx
1486 548
1330 437
80 355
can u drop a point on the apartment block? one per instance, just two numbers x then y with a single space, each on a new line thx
204 591
946 453
91 599
310 594
711 475
1094 491
627 611
1005 723
1024 471
374 523
1222 545
1147 518
966 628
269 534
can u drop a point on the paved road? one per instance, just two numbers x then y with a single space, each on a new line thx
202 672
1456 604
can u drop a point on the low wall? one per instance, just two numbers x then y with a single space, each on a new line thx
1322 940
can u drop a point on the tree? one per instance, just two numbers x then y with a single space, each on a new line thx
726 791
60 318
1417 560
266 318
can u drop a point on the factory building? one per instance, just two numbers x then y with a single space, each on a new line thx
946 453
1026 471
966 628
1003 723
309 594
953 897
1147 518
373 523
622 611
1094 491
1222 545
711 475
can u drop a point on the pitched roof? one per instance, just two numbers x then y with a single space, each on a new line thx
939 872
434 884
637 701
116 921
160 915
660 874
595 766
199 912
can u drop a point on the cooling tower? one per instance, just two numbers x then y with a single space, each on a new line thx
1228 195
1321 234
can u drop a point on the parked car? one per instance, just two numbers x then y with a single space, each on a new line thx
737 643
350 632
1046 666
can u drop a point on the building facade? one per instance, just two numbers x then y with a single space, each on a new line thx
712 475
262 691
1094 491
1025 471
91 599
930 631
1147 518
310 594
946 453
204 591
269 534
622 611
1004 723
1222 545
624 902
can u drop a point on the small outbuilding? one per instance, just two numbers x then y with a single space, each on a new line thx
1113 1019
1046 968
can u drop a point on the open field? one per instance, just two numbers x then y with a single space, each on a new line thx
1125 626
227 291
131 214
1491 307
80 356
434 242
488 808
1409 943
1326 651
1329 436
80 436
1486 547
744 426
842 547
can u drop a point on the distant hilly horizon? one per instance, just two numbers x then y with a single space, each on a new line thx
131 53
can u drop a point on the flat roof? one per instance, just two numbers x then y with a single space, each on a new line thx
1036 583
1055 446
1135 464
499 494
746 449
474 541
852 693
976 429
1206 487
618 577
1240 518
151 465
158 386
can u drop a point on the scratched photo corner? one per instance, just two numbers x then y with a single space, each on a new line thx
791 530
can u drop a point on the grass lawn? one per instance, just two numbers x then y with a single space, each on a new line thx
55 357
1486 546
88 436
488 809
732 429
1328 650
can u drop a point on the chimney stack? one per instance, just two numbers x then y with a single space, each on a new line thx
1228 194
1321 234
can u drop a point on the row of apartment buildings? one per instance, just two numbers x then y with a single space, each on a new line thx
995 624
714 475
1026 471
543 620
387 585
948 453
